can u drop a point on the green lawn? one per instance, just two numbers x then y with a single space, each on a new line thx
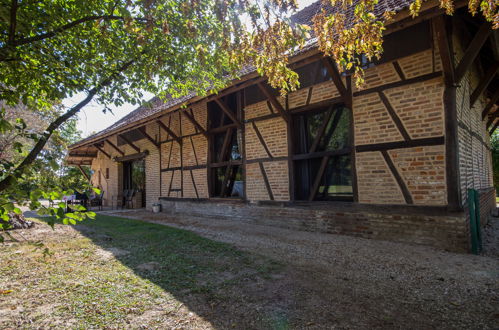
115 272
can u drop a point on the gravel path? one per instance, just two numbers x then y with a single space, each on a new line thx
350 282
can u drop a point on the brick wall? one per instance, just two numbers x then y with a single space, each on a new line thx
433 227
475 159
419 108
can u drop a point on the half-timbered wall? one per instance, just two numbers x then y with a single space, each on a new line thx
405 124
113 186
398 153
184 154
475 159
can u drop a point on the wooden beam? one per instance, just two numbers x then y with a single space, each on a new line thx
395 84
169 131
493 129
143 131
115 147
260 138
194 185
334 73
266 181
103 151
84 173
484 83
452 150
398 177
492 118
228 112
225 180
271 97
318 178
489 105
130 143
446 54
396 119
194 122
472 51
399 70
434 141
225 145
90 155
353 155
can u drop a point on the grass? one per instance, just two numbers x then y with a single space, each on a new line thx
117 272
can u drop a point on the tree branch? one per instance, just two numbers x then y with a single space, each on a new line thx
13 22
30 158
65 27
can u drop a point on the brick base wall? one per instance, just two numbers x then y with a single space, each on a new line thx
409 225
487 203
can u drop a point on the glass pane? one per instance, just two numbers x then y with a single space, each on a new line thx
337 179
337 134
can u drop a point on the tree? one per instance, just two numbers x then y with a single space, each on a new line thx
114 50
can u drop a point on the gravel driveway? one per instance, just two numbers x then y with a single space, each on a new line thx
349 282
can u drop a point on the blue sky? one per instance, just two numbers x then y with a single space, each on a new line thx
91 118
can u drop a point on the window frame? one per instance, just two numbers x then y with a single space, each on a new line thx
325 156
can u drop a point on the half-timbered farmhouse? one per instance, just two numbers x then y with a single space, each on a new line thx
393 160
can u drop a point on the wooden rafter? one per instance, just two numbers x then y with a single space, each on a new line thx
81 155
143 131
318 178
194 122
83 172
273 100
130 143
334 73
225 108
446 55
266 181
169 131
484 83
115 147
489 105
472 51
102 150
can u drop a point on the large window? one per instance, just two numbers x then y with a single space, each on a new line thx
322 147
226 175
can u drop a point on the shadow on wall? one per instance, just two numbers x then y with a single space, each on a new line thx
224 286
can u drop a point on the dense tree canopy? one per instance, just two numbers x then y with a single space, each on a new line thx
115 50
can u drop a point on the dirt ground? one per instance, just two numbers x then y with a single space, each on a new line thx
348 282
97 280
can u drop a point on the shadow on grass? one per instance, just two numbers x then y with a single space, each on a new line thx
225 286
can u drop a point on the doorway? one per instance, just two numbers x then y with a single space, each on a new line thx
134 177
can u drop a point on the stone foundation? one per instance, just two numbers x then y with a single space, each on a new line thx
432 226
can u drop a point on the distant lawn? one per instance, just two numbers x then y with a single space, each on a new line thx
126 273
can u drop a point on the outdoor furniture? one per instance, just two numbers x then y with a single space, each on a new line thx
80 198
128 195
97 200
